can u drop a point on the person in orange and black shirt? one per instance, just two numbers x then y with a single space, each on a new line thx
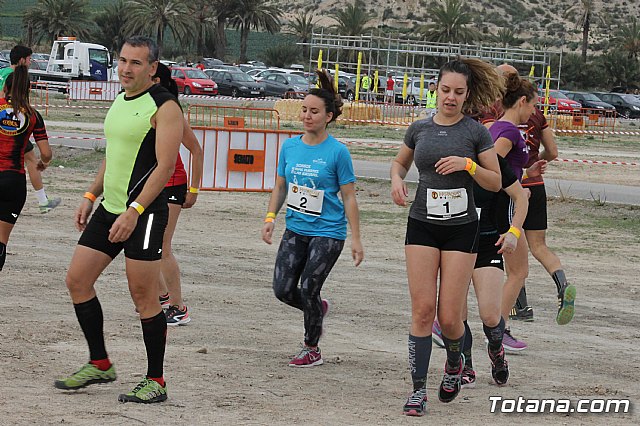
18 121
538 134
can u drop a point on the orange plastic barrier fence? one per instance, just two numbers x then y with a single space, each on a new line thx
221 116
88 90
39 95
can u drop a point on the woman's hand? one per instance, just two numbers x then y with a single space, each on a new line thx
357 252
537 169
267 232
509 243
399 192
448 165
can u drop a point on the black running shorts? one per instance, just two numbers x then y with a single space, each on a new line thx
176 194
13 194
537 214
145 243
463 238
488 252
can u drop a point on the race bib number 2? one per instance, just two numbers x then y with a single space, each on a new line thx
445 204
305 200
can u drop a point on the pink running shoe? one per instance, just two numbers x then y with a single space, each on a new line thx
307 358
436 334
511 344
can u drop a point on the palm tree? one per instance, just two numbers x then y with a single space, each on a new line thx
111 23
629 38
204 23
223 10
155 17
281 55
353 20
507 37
302 27
450 24
584 13
257 14
50 19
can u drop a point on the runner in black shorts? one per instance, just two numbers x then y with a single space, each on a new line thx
132 216
451 151
488 274
18 122
535 226
179 197
21 55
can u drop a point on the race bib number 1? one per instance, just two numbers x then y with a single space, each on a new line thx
445 204
305 200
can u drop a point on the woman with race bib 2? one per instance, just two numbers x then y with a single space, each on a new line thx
312 169
451 151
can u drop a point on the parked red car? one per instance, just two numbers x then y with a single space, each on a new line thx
192 81
561 101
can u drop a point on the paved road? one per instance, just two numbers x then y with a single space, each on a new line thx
618 194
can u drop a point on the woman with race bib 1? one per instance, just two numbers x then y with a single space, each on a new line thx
312 169
451 151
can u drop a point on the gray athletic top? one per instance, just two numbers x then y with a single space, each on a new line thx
445 200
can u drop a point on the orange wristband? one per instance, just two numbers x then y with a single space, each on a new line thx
269 220
89 196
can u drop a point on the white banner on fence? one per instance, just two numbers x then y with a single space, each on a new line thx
238 159
85 90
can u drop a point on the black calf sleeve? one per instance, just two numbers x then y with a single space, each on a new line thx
3 254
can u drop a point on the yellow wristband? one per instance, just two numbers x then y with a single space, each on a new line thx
470 166
524 174
269 220
472 170
194 190
271 215
515 231
89 196
137 206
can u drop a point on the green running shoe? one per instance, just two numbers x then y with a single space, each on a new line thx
87 375
146 392
566 304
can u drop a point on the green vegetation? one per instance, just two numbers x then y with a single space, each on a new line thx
80 159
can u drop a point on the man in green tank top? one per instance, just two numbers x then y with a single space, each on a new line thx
144 130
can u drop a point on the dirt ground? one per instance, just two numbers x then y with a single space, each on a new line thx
229 365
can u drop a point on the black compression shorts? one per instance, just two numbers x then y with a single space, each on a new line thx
463 238
488 252
145 243
176 194
537 214
13 194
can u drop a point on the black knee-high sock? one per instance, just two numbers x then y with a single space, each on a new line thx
494 335
154 331
91 321
521 301
419 357
559 278
454 350
466 345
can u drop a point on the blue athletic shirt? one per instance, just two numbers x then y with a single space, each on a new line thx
326 167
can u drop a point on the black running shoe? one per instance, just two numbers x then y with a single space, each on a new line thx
416 404
499 366
524 314
451 382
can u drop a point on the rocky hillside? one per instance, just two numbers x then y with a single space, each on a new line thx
535 22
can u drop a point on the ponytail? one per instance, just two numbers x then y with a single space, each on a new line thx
17 86
327 92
